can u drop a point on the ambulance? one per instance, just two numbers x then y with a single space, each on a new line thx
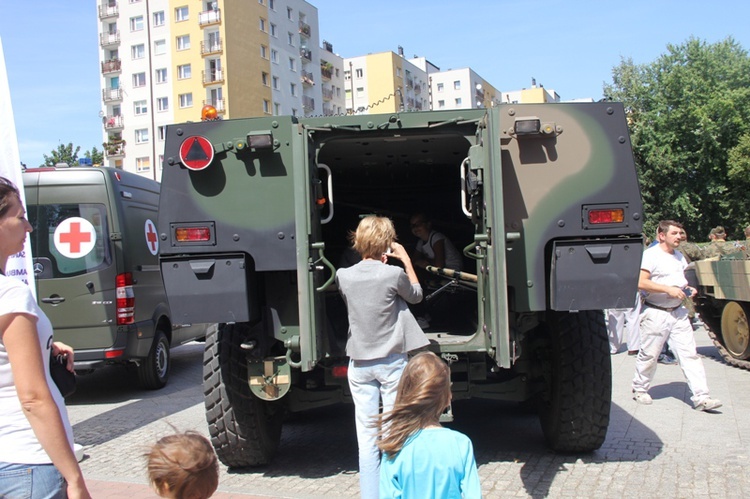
95 261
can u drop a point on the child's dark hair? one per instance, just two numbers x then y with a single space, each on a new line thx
183 466
423 394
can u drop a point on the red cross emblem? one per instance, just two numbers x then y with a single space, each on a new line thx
75 237
151 240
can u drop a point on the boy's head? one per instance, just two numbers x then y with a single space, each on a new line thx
374 236
183 466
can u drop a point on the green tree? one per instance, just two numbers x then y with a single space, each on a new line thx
63 154
96 156
687 112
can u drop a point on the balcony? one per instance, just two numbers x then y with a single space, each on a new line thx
213 77
111 66
308 103
209 17
109 10
327 94
219 104
326 70
409 82
307 78
107 39
417 89
113 123
112 94
306 54
115 148
304 29
212 48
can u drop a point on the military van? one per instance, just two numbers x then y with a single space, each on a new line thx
96 271
543 199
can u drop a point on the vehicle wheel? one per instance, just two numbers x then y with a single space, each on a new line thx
245 431
574 408
734 329
153 372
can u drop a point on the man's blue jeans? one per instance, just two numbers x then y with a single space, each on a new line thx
369 381
31 481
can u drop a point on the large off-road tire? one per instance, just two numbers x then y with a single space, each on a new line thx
574 410
153 372
245 431
735 329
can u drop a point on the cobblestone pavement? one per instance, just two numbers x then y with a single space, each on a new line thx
663 450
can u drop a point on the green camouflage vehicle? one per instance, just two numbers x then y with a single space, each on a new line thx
543 199
724 304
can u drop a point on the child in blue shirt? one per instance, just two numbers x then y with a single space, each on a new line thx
420 457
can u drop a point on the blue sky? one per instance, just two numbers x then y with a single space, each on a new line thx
571 46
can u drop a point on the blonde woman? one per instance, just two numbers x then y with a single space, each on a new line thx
381 332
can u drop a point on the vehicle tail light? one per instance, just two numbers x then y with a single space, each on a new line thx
192 234
113 354
340 371
606 216
125 299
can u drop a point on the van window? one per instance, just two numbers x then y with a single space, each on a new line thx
45 219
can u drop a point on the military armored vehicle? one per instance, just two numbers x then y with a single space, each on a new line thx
724 304
543 199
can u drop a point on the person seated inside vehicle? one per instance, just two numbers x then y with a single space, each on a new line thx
433 248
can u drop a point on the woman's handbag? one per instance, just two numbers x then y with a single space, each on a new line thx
64 379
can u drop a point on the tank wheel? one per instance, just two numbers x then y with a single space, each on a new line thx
735 330
153 372
245 431
574 408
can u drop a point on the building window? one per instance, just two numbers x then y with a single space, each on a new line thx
359 72
275 82
181 14
162 104
139 80
360 90
289 14
160 131
186 100
293 89
160 47
183 42
398 72
184 71
347 75
292 64
136 23
140 107
337 72
159 18
262 24
141 136
274 56
266 106
264 78
441 104
138 51
273 29
143 164
271 4
276 108
264 52
458 101
440 87
161 75
457 85
290 38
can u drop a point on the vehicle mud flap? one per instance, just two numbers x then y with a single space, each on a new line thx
574 408
245 430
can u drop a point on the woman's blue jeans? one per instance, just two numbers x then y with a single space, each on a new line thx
31 481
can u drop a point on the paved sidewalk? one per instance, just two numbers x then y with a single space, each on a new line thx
666 449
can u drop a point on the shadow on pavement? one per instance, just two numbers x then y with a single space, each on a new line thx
134 407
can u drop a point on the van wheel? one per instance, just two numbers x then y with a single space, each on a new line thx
245 431
154 371
574 408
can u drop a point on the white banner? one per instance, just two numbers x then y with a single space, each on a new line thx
19 265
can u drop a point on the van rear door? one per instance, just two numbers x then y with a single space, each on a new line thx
74 258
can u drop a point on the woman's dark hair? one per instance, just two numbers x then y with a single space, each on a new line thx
6 189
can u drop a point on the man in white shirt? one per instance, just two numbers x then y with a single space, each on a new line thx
664 318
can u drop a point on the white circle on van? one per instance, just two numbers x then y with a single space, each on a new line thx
75 237
152 241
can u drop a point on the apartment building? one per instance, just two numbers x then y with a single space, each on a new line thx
536 94
163 60
458 88
384 82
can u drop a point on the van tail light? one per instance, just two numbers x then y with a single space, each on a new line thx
125 299
606 216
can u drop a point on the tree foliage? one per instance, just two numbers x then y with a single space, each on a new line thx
67 153
689 120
